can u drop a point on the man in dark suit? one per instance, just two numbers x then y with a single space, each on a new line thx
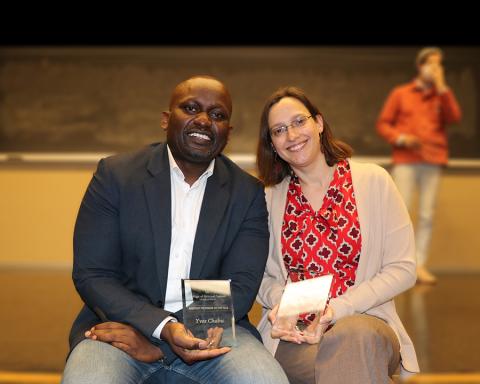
149 219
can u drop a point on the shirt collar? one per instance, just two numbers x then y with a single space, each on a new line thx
174 168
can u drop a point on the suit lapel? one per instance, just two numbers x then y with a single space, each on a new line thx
158 195
215 201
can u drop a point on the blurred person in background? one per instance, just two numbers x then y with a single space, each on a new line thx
413 121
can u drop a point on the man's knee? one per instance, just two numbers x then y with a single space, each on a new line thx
253 363
97 362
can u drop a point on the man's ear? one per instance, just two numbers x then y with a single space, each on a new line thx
164 120
230 129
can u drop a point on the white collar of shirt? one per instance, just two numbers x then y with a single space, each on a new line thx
185 213
175 169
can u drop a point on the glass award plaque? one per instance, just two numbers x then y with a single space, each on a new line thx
305 297
208 311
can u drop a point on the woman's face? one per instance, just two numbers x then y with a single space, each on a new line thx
299 145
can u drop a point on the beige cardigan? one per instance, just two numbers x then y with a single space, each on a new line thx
387 260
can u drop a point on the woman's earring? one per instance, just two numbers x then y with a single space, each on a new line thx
275 158
321 145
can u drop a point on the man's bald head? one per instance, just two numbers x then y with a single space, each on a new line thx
198 121
205 81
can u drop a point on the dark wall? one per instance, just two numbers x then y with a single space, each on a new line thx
110 99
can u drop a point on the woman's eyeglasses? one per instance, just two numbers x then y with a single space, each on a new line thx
281 130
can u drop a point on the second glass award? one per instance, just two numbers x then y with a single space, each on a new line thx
302 298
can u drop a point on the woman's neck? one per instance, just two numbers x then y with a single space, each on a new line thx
317 174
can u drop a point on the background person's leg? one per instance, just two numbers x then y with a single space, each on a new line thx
428 183
405 178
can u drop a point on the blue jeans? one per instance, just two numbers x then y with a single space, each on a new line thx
248 362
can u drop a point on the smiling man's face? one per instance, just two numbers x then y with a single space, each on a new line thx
198 122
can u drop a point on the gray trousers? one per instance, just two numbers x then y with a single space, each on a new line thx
357 349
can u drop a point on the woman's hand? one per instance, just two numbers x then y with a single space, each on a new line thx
284 328
313 334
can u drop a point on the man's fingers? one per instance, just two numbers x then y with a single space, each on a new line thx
110 325
192 349
191 356
120 345
177 335
109 336
185 341
105 337
90 335
214 337
191 343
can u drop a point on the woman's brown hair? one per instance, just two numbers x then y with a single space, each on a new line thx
271 168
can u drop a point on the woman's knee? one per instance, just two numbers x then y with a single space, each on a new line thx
364 330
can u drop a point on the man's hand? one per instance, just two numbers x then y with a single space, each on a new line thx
189 348
214 337
438 77
126 338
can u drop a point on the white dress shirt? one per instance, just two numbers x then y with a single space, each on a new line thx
186 205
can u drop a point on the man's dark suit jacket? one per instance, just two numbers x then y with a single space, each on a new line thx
122 240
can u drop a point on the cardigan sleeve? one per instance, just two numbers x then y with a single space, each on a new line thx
391 265
272 286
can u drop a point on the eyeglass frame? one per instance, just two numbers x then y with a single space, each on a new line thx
294 123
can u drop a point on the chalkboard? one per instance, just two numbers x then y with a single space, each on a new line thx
105 99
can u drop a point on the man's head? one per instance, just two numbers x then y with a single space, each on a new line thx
198 120
427 60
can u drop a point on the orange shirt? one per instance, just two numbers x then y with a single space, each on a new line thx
411 110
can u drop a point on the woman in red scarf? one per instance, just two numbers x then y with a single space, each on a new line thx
332 215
